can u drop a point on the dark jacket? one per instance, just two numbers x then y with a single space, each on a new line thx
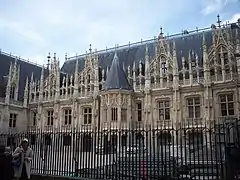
6 168
232 162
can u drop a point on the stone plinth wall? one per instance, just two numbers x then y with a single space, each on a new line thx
46 177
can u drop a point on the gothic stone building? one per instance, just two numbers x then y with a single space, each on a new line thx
186 80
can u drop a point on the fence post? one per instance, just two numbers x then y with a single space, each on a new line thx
76 168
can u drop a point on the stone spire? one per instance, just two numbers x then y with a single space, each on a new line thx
57 70
7 98
116 78
147 73
175 67
25 101
76 78
205 53
41 84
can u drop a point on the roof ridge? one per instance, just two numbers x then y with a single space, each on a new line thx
176 35
19 58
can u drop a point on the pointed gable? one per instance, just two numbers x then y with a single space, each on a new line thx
116 77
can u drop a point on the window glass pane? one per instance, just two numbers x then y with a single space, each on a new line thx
90 119
66 120
161 117
197 100
230 97
197 111
161 111
14 123
85 118
230 106
161 104
139 115
190 101
85 110
167 114
190 112
222 98
231 112
89 110
70 120
224 112
166 103
223 106
139 106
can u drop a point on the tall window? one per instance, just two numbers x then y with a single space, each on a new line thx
164 110
114 114
87 113
123 115
12 120
194 107
12 92
50 118
89 81
164 67
226 104
34 118
139 111
68 116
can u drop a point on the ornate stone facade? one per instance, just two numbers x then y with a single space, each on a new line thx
172 85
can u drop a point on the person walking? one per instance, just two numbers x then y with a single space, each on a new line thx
6 168
23 154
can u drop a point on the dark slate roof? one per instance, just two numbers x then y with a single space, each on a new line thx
116 77
128 54
26 70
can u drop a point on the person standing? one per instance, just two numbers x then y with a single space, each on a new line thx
6 168
25 154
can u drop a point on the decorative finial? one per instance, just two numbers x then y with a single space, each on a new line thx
90 48
54 57
48 57
218 21
65 56
161 31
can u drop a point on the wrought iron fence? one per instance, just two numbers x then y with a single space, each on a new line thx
200 152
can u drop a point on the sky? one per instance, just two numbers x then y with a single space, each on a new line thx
33 28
